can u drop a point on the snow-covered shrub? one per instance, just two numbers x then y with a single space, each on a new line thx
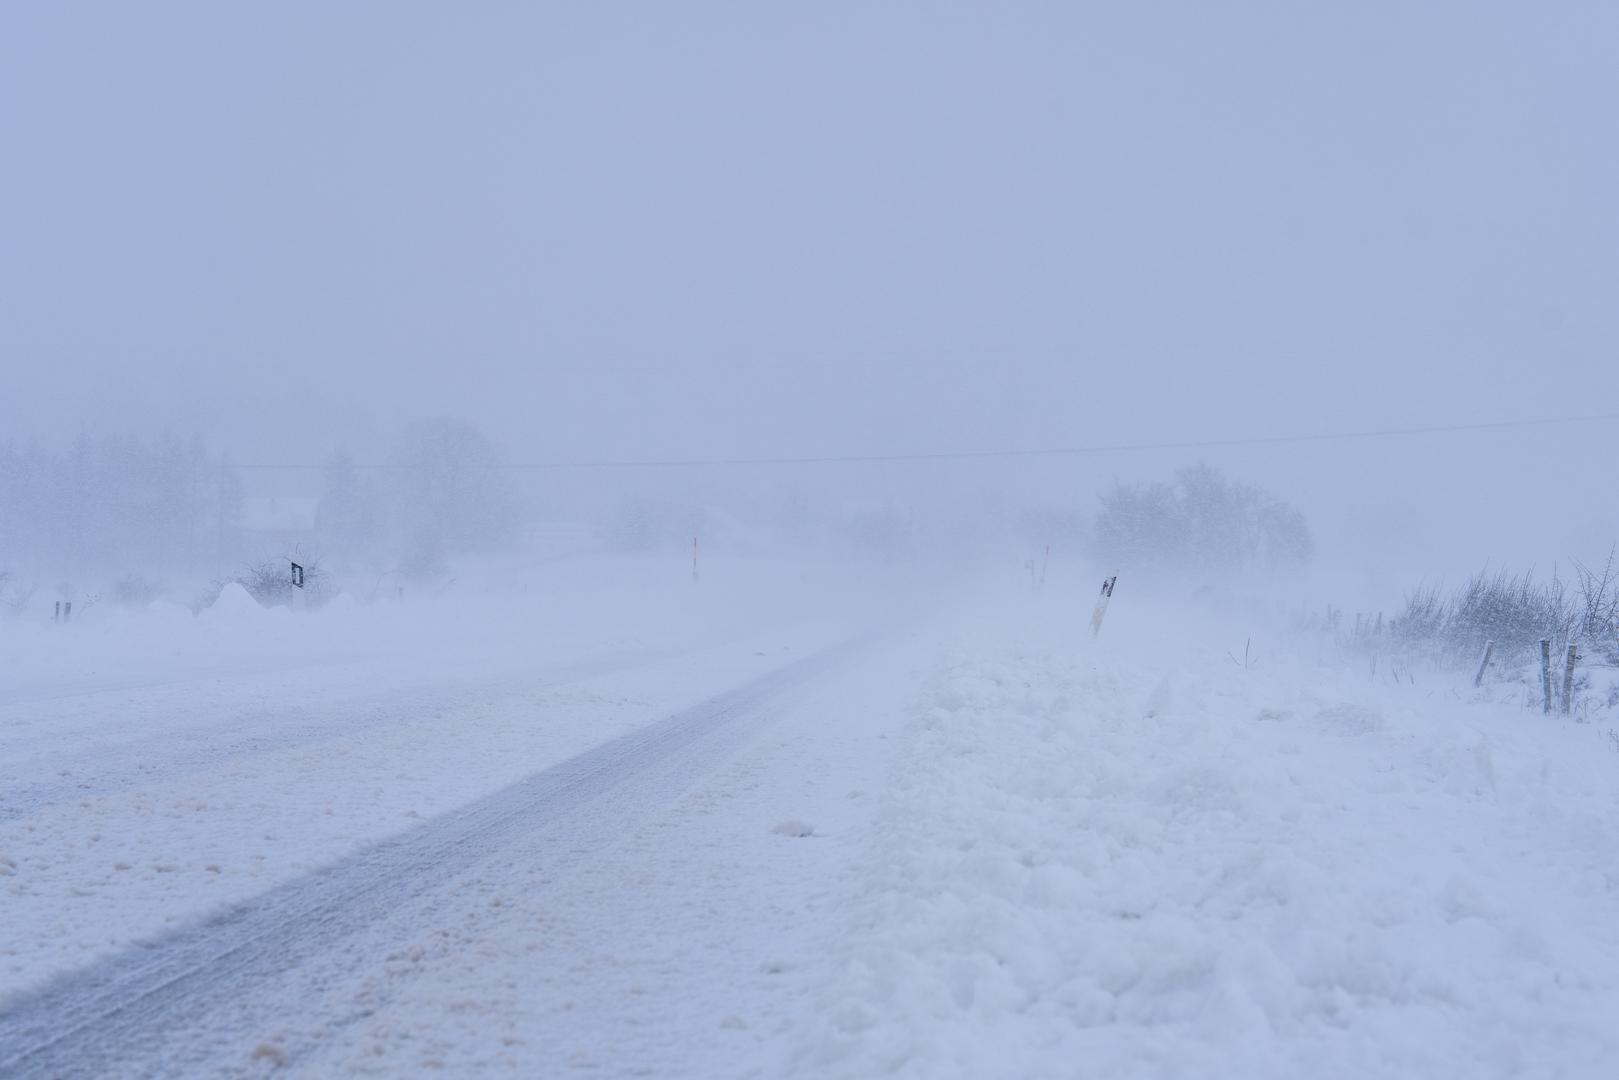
1425 619
1598 608
1513 610
270 583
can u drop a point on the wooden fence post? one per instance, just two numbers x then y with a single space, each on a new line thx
1571 658
1545 675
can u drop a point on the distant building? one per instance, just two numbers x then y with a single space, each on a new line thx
278 523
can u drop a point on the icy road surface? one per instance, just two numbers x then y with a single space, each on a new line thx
512 897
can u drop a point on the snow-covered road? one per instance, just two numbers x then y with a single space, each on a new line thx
457 836
305 970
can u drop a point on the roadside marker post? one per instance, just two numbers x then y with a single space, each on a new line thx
297 587
1101 605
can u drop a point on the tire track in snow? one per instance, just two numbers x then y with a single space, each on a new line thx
201 998
182 752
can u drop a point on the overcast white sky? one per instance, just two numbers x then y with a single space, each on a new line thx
632 230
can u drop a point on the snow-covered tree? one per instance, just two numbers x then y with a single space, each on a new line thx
1201 523
448 493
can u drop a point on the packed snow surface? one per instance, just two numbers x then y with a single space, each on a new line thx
610 825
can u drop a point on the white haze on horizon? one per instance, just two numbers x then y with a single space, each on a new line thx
720 231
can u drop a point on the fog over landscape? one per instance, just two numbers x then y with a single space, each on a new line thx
726 232
413 401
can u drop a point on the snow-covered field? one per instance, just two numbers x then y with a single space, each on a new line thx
783 824
1135 857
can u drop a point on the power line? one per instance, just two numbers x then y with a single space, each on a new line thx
970 455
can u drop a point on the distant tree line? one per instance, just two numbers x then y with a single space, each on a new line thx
132 512
114 500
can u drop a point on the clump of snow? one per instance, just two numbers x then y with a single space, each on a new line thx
234 602
794 828
270 1052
